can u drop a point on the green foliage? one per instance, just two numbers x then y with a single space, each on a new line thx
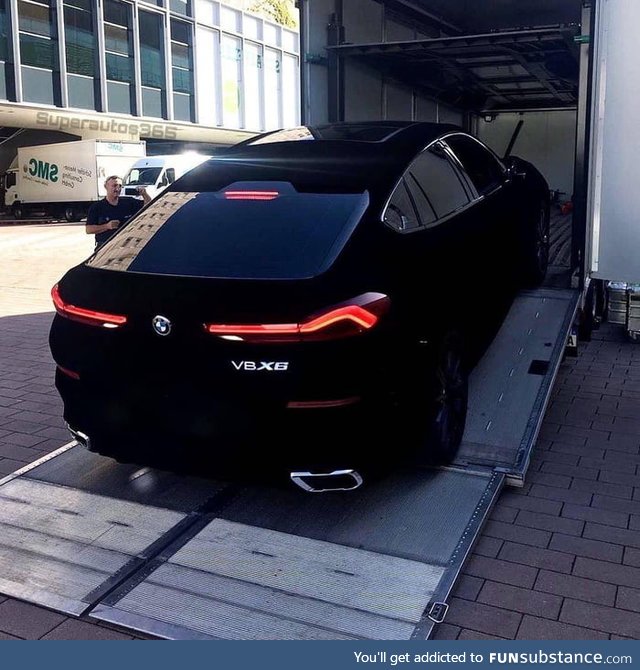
280 11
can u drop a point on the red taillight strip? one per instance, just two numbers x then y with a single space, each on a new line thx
83 315
323 404
251 195
253 329
69 373
361 314
353 313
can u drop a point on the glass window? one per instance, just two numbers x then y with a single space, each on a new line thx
231 53
181 31
272 83
116 39
119 56
182 70
435 174
180 7
118 68
35 18
206 234
481 165
38 52
116 12
4 48
290 79
182 107
80 42
119 96
81 91
181 55
151 50
425 210
229 18
252 85
38 85
401 214
38 48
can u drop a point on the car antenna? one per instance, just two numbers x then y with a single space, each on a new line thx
514 137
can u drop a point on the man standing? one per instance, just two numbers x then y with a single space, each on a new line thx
106 215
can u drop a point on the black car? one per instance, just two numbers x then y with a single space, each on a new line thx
311 301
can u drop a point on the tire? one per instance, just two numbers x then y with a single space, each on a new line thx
70 214
535 256
451 393
17 211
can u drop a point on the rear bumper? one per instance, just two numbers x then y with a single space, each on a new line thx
185 430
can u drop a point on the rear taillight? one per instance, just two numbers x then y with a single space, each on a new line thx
88 316
344 320
69 373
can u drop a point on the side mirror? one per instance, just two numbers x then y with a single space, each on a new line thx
515 170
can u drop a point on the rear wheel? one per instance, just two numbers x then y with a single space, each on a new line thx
536 248
449 398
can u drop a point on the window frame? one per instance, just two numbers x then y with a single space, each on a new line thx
459 163
470 191
404 231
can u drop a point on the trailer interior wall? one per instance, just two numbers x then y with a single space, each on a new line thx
547 139
368 94
614 198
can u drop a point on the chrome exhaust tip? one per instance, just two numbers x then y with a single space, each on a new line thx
322 482
81 438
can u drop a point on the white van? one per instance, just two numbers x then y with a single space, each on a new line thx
155 173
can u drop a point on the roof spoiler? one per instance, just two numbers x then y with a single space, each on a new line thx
514 137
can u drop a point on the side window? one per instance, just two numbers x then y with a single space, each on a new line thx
401 214
425 209
483 168
439 182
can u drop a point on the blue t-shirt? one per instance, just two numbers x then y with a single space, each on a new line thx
103 212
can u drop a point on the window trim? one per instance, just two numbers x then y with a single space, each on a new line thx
479 196
406 231
467 186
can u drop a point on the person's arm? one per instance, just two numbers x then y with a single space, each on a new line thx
93 227
146 198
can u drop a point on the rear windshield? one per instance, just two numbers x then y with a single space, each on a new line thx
256 230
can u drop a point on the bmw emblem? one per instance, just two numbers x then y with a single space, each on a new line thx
161 325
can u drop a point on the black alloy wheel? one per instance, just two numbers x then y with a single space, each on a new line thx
536 251
449 401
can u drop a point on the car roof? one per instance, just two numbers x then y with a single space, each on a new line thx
380 133
362 155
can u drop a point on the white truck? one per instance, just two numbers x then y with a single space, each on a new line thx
62 180
155 173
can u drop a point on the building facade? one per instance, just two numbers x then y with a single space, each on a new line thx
183 70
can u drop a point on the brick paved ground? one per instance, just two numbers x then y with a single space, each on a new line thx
559 558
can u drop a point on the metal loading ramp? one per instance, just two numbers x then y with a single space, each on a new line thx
510 387
64 547
319 580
